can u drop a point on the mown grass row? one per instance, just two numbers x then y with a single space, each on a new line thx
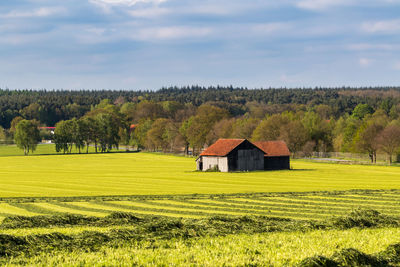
151 228
296 206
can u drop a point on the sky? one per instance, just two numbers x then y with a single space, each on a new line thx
149 44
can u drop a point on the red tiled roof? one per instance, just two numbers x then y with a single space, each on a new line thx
273 148
222 147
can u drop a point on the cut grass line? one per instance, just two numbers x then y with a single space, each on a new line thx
73 206
253 210
57 208
172 208
64 230
393 209
110 208
10 210
359 198
374 197
352 201
327 201
322 204
214 211
315 209
30 207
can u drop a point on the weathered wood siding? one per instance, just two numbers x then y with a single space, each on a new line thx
246 157
250 160
210 162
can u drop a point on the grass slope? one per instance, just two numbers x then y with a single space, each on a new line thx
152 174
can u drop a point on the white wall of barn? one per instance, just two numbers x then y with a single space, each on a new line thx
210 162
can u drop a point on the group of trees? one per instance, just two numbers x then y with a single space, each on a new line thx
50 107
104 127
347 120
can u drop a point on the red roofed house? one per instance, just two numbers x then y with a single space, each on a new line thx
231 155
242 155
277 155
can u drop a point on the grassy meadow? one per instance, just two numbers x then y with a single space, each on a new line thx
124 209
158 174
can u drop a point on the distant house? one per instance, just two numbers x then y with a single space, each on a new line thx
231 155
242 155
277 155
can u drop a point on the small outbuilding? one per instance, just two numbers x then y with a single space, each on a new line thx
228 155
277 155
231 155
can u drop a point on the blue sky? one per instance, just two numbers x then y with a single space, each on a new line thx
147 44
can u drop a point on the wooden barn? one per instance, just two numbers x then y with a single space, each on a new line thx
242 155
277 155
231 155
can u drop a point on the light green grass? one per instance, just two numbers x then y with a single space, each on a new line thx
6 208
124 208
147 173
268 249
56 208
41 149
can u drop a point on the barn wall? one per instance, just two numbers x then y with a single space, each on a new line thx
276 163
209 162
250 160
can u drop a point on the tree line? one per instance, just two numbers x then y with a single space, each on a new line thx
171 126
51 106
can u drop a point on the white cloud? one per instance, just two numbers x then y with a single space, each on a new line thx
383 26
174 32
40 12
364 62
149 12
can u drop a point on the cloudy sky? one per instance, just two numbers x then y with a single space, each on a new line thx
147 44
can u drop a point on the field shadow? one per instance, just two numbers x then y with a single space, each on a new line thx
258 171
302 170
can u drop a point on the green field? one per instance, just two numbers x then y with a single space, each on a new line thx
154 174
76 210
41 149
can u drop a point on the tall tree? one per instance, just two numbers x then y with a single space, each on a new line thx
361 110
108 131
366 137
200 125
389 140
295 135
139 135
270 128
27 135
64 136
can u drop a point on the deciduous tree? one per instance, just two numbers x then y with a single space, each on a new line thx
389 140
27 135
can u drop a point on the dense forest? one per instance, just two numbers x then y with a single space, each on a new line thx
364 120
